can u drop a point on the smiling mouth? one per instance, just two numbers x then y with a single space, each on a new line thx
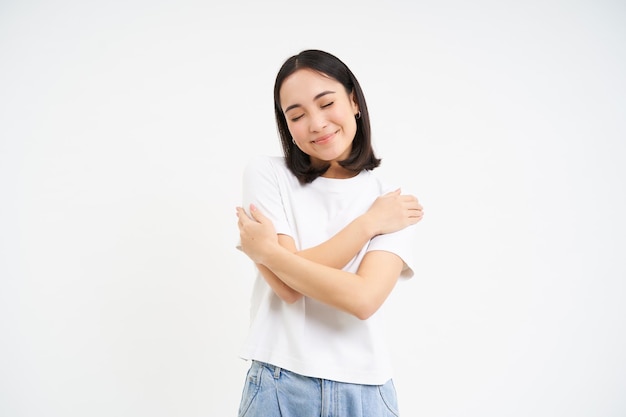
324 138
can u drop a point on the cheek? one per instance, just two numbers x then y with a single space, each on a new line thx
344 117
297 131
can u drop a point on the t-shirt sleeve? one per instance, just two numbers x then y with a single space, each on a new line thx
401 243
262 187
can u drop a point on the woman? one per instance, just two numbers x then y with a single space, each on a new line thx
330 241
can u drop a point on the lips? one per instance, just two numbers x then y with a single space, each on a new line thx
324 139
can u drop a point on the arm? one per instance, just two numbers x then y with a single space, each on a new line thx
389 213
360 294
281 289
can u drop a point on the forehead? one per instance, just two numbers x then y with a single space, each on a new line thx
304 84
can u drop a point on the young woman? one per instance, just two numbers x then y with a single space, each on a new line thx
330 240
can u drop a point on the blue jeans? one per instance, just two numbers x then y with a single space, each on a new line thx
274 392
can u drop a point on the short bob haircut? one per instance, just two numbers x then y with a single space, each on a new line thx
362 154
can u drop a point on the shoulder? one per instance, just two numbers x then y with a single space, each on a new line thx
383 184
269 171
390 183
260 162
264 163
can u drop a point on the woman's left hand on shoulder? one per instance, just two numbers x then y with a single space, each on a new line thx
257 234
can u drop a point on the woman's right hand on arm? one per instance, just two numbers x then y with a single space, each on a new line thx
394 211
388 213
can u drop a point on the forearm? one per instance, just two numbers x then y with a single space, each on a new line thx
388 213
282 290
359 294
337 251
324 283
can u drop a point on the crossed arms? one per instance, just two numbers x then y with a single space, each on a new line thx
316 272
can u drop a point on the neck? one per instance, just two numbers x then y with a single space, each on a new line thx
338 172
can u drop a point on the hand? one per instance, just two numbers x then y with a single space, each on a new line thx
258 236
394 211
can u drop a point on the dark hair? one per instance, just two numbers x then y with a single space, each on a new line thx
362 154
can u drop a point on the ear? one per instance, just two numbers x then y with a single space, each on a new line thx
355 105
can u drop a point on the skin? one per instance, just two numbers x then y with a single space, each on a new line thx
321 118
359 294
389 213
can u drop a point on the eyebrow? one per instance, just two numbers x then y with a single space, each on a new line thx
320 95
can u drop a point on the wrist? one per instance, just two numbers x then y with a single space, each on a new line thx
270 254
368 225
281 261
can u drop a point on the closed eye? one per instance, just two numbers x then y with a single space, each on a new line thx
295 119
328 104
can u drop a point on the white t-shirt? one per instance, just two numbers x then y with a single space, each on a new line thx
309 337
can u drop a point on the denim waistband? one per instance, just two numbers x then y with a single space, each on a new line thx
275 369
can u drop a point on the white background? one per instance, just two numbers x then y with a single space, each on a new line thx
124 128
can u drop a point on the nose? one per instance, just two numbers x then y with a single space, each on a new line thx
317 122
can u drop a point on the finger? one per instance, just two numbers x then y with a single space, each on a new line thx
412 205
256 213
409 198
394 192
242 215
416 212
